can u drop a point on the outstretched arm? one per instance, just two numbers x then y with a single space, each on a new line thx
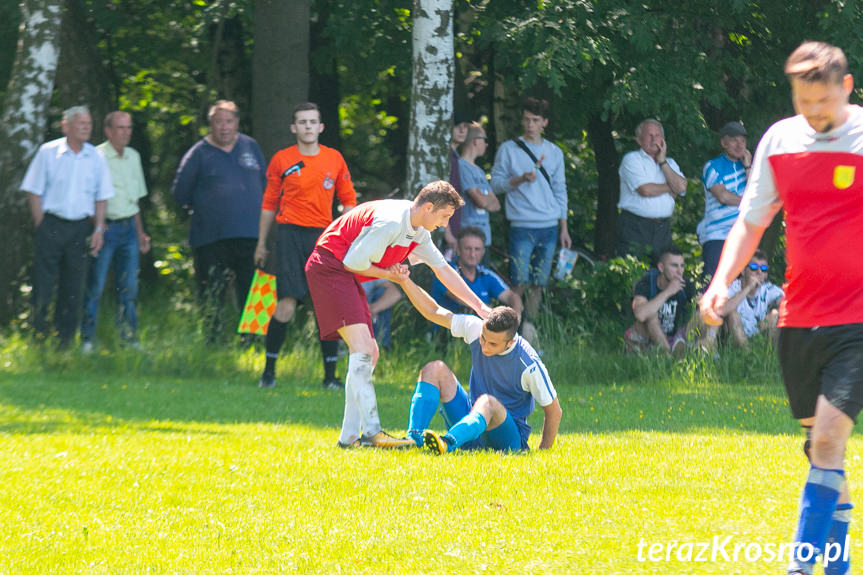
453 282
426 305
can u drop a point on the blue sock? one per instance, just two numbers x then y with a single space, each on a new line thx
817 505
837 561
423 407
469 428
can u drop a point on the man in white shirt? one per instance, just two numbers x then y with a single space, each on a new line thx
649 183
67 183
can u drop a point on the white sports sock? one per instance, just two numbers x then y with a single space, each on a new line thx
351 420
358 384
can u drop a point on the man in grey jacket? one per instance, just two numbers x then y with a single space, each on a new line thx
530 171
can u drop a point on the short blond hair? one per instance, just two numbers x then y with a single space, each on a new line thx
226 105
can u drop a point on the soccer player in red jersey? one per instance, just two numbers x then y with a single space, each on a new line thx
372 241
807 164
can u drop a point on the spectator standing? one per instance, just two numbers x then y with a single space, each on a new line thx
124 236
457 138
67 183
220 182
301 183
724 180
479 199
530 171
649 183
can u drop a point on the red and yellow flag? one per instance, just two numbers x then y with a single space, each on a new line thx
260 304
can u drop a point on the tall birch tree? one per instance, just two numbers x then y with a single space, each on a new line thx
431 92
21 131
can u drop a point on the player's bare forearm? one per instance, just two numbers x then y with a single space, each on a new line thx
551 423
426 305
455 284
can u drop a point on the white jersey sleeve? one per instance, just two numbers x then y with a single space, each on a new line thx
760 200
371 243
467 327
535 380
427 252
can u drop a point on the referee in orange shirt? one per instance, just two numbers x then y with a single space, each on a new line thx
302 181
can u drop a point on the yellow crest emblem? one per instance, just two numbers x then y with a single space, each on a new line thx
843 176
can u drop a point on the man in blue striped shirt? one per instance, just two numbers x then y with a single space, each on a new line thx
724 180
507 379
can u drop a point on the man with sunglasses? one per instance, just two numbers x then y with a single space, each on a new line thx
808 166
753 302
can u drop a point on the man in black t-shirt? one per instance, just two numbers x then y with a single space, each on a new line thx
660 304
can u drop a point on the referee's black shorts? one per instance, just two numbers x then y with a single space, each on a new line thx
294 245
824 361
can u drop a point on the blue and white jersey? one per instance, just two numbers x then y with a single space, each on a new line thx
516 377
719 217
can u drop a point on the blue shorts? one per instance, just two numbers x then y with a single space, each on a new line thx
506 437
531 254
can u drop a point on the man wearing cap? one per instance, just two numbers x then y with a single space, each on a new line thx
649 183
724 179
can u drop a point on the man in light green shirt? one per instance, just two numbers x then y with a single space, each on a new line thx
124 237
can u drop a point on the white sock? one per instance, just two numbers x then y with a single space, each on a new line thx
351 420
358 384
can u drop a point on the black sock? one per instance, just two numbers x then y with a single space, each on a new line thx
330 353
276 333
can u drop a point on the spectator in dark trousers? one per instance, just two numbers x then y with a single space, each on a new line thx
67 183
221 181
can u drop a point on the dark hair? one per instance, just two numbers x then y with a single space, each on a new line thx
669 250
760 255
305 107
535 106
109 119
441 194
817 62
471 231
502 319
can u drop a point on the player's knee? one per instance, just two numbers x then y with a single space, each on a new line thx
491 408
436 372
826 445
285 309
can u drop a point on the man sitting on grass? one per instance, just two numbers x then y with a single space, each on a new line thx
506 378
753 302
661 306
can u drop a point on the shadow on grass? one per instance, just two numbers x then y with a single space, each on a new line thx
184 386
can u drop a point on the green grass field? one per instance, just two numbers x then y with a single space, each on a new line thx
173 461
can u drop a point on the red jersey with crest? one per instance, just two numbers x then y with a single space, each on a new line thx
301 188
379 233
818 179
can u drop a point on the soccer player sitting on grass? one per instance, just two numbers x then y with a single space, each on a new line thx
371 241
506 377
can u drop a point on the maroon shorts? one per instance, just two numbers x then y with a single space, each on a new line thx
337 295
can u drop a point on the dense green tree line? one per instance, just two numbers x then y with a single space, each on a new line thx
604 65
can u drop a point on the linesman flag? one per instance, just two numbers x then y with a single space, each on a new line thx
260 304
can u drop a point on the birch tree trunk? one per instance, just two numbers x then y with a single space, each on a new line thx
431 93
21 131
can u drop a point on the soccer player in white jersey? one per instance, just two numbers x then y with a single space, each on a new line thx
506 379
809 165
